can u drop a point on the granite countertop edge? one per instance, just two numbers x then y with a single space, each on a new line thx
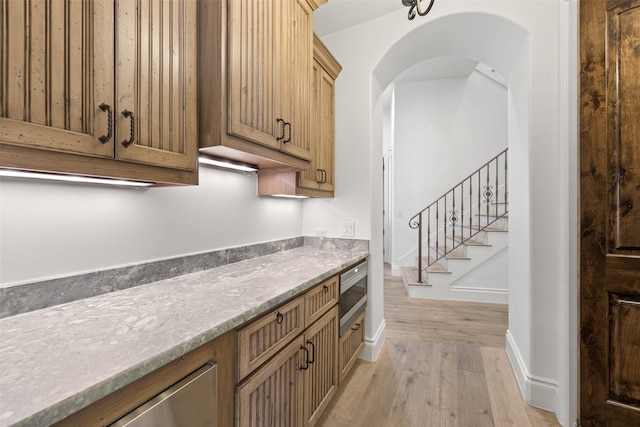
79 400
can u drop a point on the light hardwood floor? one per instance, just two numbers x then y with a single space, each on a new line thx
443 364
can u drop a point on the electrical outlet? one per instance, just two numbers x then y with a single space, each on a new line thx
321 232
348 229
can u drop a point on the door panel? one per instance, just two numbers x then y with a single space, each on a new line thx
610 213
623 93
156 44
253 50
59 58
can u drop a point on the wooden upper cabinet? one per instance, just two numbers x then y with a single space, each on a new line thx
156 48
321 176
59 59
104 88
269 77
255 79
319 179
294 95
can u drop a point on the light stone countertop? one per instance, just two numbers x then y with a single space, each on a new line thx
58 360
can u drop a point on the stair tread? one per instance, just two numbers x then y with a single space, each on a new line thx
490 228
410 275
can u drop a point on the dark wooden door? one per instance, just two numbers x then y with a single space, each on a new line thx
610 213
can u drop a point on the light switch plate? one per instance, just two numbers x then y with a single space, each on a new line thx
348 229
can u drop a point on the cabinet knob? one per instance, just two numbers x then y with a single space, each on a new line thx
325 288
355 328
279 318
128 142
104 107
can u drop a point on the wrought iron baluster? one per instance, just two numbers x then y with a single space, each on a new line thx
420 250
445 227
429 236
487 199
470 206
479 211
497 189
437 229
462 210
506 170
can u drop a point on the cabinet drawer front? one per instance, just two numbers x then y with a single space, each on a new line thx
351 344
320 299
262 338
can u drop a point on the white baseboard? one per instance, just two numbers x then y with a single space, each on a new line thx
396 270
536 391
373 345
459 293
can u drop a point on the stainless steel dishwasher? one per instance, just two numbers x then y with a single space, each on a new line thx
190 402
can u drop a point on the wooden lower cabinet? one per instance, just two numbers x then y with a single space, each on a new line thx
112 407
321 379
351 344
294 387
273 395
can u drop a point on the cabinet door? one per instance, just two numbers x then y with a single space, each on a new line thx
321 379
351 344
313 177
294 66
326 130
272 396
156 72
57 68
254 38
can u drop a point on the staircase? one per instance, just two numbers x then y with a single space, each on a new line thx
463 240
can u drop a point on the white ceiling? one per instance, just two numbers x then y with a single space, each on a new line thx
336 15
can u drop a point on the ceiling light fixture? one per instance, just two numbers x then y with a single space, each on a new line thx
415 6
227 164
72 178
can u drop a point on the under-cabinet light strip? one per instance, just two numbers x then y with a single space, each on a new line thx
226 165
290 196
72 178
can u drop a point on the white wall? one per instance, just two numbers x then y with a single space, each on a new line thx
50 229
520 39
444 130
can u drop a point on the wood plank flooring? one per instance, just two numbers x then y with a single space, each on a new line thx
443 364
